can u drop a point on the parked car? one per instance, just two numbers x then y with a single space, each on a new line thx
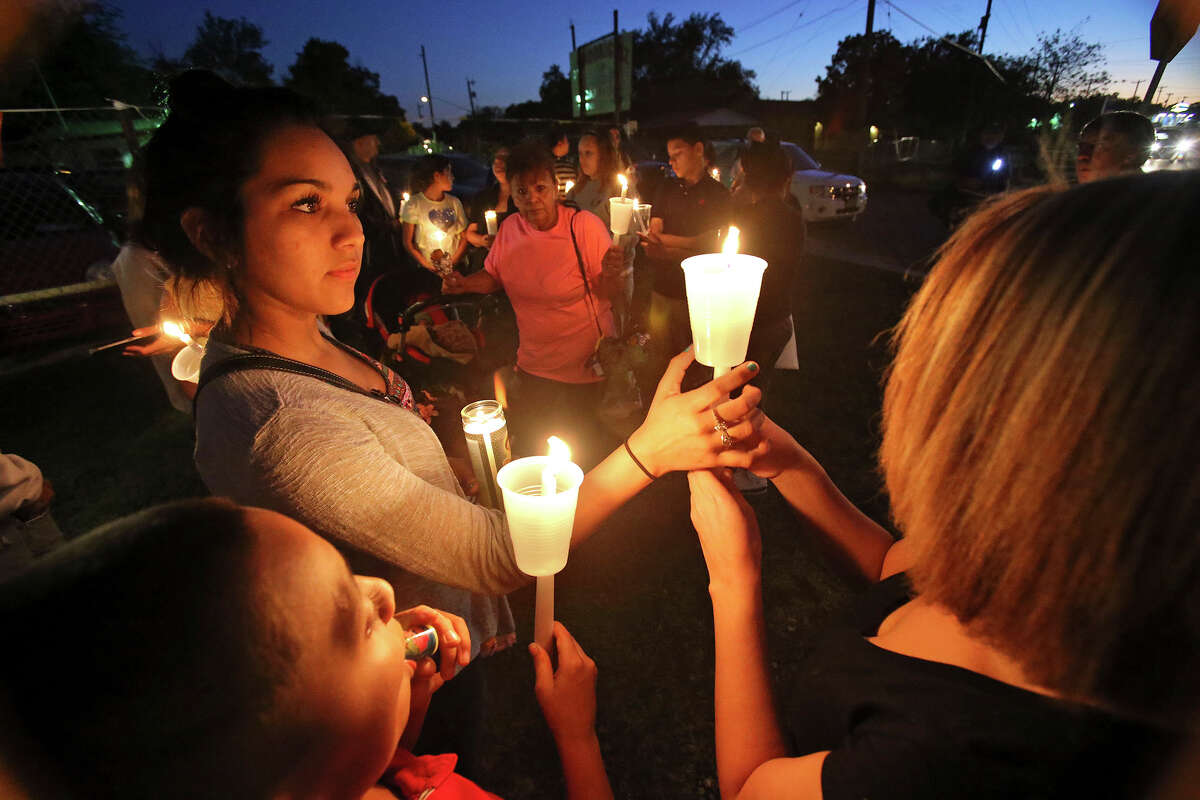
821 194
55 255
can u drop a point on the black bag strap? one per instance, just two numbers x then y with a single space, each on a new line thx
587 286
248 361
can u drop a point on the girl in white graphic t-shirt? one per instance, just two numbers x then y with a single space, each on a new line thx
434 220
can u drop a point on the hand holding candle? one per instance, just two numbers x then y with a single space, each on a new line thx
540 494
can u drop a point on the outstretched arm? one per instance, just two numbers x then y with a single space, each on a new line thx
814 496
677 434
752 758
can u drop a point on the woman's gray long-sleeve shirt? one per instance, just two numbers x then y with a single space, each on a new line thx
369 476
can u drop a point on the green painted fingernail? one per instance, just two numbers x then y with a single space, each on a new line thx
752 367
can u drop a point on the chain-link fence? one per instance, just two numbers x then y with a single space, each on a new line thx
63 204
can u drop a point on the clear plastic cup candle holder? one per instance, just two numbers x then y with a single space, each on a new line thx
486 432
540 525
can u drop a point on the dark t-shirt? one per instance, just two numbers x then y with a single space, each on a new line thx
903 727
486 199
773 231
686 211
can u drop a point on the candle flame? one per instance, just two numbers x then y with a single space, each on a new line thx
559 451
568 187
621 179
730 247
489 214
636 204
173 329
438 235
716 173
405 196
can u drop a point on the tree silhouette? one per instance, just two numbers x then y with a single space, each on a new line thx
678 65
555 93
232 48
82 60
322 72
1065 66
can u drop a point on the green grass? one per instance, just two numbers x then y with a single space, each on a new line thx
634 595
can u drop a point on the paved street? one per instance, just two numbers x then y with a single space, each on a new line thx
896 233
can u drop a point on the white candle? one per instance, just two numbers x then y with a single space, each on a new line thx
486 432
620 213
621 179
722 295
489 218
540 523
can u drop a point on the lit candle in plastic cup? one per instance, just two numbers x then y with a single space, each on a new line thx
186 364
487 446
540 494
489 218
722 295
620 214
641 216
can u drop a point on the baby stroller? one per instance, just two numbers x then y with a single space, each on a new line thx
437 342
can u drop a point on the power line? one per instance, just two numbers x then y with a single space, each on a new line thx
777 11
812 21
946 40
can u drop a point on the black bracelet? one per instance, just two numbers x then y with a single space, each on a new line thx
641 466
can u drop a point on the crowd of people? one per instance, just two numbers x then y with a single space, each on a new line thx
1035 630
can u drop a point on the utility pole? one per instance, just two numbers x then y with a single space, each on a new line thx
983 22
471 95
429 94
1137 86
864 84
616 71
864 72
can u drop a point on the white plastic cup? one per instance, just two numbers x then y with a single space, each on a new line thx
722 295
540 526
489 218
620 214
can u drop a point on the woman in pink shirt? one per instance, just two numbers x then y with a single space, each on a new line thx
540 259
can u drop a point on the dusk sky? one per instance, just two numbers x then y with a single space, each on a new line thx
505 47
